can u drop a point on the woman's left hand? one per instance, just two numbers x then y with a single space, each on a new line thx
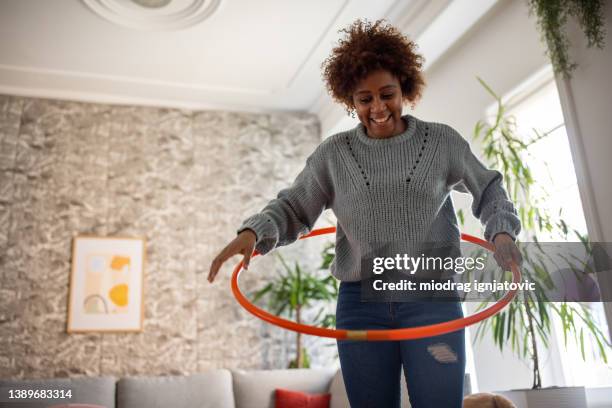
506 251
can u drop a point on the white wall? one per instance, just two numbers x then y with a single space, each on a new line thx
503 49
586 100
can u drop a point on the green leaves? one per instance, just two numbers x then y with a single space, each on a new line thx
525 319
294 289
461 217
552 16
328 254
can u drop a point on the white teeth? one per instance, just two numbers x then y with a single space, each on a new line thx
381 120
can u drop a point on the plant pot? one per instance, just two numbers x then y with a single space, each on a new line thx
551 397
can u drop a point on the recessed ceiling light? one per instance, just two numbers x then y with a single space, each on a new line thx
152 3
154 15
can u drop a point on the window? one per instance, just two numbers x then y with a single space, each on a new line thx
535 105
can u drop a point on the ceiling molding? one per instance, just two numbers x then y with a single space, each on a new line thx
178 14
115 99
414 17
318 43
65 85
30 74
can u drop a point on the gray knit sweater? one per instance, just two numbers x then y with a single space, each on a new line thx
385 190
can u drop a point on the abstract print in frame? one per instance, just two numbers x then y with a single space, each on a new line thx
106 284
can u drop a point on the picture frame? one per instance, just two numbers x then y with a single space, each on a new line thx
106 284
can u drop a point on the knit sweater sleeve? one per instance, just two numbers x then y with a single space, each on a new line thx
291 214
491 203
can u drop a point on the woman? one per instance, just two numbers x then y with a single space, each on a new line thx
388 182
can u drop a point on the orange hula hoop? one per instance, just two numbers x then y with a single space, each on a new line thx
379 335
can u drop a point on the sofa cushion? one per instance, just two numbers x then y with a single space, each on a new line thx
293 399
255 388
339 398
84 390
211 389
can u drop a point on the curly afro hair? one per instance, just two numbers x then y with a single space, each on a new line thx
368 47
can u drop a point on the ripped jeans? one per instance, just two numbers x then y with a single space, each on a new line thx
434 367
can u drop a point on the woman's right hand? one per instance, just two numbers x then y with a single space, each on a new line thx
244 244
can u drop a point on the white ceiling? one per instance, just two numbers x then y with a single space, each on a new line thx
247 55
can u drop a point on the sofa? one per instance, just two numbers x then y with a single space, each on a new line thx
219 388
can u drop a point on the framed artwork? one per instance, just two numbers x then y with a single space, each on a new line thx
106 284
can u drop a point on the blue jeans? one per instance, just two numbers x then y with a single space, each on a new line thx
434 367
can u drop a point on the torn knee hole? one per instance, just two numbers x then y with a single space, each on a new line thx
442 353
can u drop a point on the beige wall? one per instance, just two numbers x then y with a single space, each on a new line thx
183 180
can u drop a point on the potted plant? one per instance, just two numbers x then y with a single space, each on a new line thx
552 16
294 291
529 318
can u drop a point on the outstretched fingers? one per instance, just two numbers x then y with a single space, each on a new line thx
234 248
219 260
247 252
516 256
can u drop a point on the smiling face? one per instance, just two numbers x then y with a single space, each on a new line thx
377 99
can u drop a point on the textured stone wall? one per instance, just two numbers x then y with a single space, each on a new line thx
184 181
